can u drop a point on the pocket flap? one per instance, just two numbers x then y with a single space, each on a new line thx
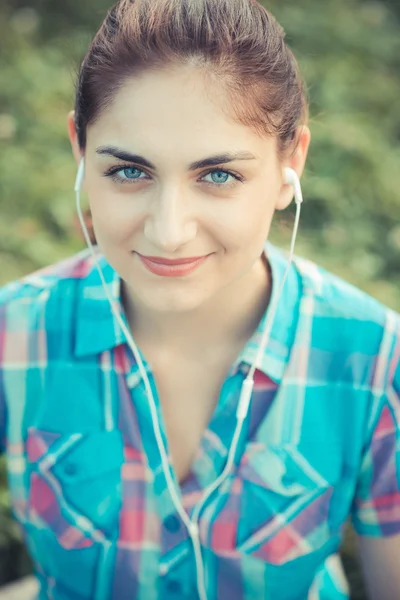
291 469
75 456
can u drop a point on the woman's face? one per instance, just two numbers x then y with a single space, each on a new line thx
161 202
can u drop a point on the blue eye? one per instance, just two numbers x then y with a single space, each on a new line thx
125 171
219 177
125 174
130 173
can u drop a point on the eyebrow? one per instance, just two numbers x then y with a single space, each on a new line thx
211 161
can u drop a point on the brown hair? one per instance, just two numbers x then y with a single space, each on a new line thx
237 42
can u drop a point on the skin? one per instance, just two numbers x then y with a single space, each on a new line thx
173 119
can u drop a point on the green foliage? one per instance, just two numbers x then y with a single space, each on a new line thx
350 55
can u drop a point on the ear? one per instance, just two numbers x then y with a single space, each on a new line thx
73 137
295 162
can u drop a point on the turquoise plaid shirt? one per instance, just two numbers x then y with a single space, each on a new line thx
320 444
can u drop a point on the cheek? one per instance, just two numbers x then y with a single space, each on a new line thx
246 228
113 218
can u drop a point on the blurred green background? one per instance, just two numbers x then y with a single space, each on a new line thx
349 52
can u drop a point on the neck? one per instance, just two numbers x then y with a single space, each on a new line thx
227 321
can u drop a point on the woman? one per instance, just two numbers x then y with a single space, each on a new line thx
142 461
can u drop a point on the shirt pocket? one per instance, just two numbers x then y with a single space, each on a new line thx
75 485
286 503
280 504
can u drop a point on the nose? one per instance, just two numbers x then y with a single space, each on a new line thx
170 224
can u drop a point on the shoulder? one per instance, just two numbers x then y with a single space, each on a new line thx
340 322
351 319
336 298
22 301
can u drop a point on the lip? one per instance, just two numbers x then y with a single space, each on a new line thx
173 268
171 262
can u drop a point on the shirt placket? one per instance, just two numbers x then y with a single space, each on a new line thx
175 551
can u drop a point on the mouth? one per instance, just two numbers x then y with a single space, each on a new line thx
172 262
172 268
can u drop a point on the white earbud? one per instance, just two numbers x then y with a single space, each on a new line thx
80 175
291 178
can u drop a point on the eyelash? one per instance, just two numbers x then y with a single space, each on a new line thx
112 173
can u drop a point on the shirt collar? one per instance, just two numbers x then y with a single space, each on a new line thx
98 331
276 354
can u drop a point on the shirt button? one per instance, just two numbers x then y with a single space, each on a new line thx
172 524
174 586
287 479
71 469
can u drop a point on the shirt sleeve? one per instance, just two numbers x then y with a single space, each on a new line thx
3 419
376 505
3 405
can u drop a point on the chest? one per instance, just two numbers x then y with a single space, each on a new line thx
188 394
84 484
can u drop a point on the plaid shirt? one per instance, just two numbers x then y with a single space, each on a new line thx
321 443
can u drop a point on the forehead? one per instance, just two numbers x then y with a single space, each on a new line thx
175 111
